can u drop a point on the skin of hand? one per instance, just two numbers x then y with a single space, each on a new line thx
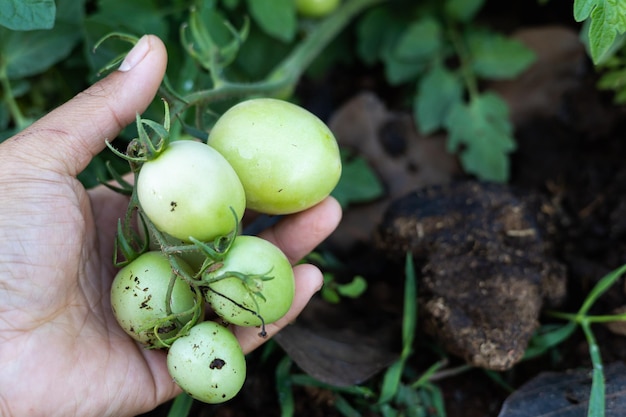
61 350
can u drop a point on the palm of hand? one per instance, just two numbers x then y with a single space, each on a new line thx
56 308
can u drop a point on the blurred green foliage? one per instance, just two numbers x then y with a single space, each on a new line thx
437 50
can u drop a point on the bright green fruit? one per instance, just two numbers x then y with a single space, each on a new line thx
286 158
253 256
189 190
208 363
139 298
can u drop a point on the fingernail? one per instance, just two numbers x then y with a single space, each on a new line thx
135 55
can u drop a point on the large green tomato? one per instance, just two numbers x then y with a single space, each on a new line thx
286 158
189 190
235 301
208 363
139 298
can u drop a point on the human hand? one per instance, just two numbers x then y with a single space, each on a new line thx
61 350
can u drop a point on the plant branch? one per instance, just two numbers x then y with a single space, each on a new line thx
288 72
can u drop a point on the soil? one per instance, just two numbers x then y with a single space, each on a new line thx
569 159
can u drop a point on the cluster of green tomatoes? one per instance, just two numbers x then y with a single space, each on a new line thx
188 200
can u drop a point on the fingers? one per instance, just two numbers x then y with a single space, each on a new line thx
298 234
308 282
67 138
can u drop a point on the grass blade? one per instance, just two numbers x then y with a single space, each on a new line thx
596 396
600 288
180 406
283 388
392 377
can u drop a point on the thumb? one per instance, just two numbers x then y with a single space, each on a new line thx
66 139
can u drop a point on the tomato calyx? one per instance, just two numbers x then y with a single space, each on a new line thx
173 322
132 244
144 148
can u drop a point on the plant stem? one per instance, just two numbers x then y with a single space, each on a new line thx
288 72
20 121
597 393
301 57
465 62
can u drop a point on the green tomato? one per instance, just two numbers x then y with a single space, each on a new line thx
239 302
316 8
286 158
208 363
139 298
189 190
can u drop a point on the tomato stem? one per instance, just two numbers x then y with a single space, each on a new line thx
465 59
288 72
21 122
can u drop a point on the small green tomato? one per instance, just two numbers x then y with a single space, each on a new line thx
189 190
242 303
139 298
208 363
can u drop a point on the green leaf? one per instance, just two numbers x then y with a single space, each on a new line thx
463 10
582 9
483 129
419 41
5 117
284 387
259 54
400 71
388 38
495 56
373 31
608 19
600 288
27 14
344 408
438 91
393 375
230 4
597 394
411 400
32 52
547 337
135 17
70 11
181 406
391 381
277 18
330 294
354 288
358 183
409 313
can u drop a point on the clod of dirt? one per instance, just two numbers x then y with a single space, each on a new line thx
486 270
